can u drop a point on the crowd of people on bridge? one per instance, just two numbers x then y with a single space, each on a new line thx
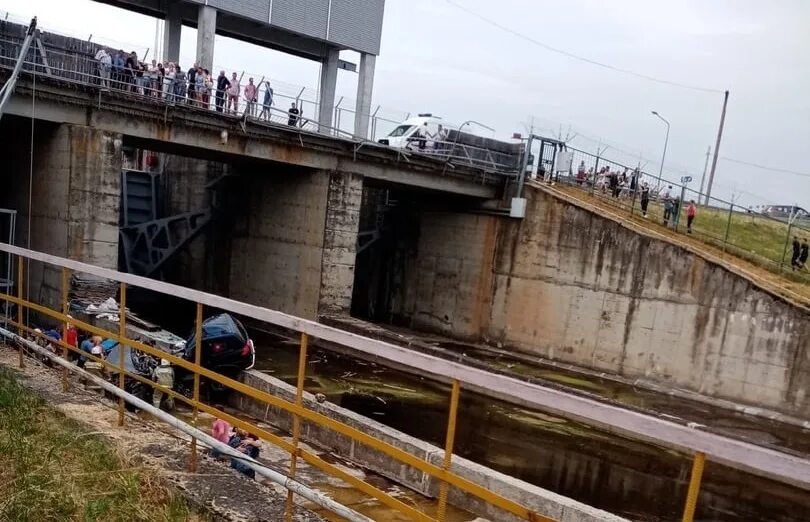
196 87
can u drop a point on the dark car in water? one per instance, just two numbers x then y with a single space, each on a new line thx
226 349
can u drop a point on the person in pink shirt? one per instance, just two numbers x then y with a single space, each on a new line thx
220 430
251 97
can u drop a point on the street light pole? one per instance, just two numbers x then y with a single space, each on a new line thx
717 149
664 157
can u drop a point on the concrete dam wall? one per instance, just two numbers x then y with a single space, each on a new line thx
570 285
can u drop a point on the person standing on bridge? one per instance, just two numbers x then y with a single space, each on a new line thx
233 94
192 79
104 66
803 254
251 97
222 86
294 112
267 103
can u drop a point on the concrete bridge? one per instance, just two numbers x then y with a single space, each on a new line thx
293 204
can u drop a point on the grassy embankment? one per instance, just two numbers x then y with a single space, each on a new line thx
753 237
53 468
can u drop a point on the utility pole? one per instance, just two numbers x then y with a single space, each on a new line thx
705 169
716 149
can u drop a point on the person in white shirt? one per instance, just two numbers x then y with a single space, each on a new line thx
104 66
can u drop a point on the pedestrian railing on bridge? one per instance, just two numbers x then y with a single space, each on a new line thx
71 61
686 440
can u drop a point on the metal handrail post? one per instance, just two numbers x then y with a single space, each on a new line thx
698 464
296 431
196 390
787 242
524 165
728 226
65 278
20 322
448 448
122 331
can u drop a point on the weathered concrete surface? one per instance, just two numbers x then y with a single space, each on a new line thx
542 501
74 197
567 284
278 243
188 185
293 246
340 242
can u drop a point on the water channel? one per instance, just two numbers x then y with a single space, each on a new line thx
636 480
633 479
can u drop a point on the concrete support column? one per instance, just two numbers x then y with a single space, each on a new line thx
365 86
329 69
340 243
172 26
75 202
206 31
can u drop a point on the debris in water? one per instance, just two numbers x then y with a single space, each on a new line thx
381 400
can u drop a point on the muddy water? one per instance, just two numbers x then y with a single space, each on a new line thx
636 480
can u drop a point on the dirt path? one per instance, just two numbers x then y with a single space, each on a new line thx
215 489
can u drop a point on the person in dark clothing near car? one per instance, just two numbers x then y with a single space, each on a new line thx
797 249
249 445
222 86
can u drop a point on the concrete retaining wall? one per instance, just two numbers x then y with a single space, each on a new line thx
570 285
540 500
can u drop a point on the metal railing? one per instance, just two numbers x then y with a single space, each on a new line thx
763 240
702 445
80 68
297 409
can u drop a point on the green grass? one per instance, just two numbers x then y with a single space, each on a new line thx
750 236
53 468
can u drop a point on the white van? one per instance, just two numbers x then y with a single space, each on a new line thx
422 131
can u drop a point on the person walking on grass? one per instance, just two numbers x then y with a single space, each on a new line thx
797 249
645 199
668 206
691 212
803 254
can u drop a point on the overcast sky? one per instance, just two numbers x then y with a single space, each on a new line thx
438 58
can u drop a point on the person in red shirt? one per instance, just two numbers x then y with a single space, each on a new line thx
71 334
691 212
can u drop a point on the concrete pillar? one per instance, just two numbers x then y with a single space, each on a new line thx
329 69
75 203
365 86
172 26
206 31
342 224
